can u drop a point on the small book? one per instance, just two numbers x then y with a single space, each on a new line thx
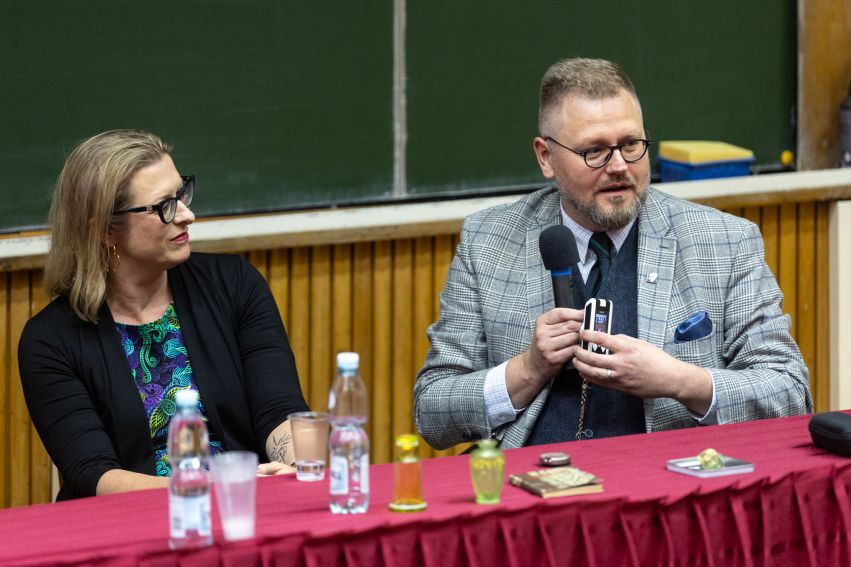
557 481
691 466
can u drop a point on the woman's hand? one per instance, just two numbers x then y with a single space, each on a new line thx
274 468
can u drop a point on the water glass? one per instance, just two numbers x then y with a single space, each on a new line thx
234 481
310 443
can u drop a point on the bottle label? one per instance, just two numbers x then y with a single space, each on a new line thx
339 475
364 474
189 514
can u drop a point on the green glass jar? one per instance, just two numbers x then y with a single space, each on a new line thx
487 471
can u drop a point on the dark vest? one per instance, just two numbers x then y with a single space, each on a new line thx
607 412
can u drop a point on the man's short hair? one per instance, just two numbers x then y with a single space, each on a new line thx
590 78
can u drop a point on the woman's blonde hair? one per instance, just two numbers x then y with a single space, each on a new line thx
93 183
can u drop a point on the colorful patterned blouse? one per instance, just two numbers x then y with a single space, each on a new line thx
160 368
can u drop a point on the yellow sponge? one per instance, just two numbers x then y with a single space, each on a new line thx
702 151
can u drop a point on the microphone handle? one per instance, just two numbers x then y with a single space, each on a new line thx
563 291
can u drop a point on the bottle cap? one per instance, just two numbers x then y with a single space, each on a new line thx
185 398
348 360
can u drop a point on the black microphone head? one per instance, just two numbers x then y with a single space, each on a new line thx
558 248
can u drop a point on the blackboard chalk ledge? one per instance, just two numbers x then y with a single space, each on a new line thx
384 222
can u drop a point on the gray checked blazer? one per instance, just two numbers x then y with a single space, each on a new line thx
703 260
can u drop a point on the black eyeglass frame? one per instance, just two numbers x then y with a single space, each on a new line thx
188 188
618 147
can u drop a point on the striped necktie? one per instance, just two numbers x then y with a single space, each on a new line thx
602 246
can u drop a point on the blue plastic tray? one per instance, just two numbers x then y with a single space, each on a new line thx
678 171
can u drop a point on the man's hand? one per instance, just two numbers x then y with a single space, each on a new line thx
641 369
555 341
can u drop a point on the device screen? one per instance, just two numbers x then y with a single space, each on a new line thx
601 321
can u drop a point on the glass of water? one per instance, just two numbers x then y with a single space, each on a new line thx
310 443
234 479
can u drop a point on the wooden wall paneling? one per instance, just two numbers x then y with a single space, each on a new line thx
362 302
403 329
40 489
771 236
378 298
279 283
341 304
260 260
821 373
806 298
383 346
423 312
299 329
753 214
5 400
321 368
19 417
788 276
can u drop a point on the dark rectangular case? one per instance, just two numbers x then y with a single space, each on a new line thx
832 431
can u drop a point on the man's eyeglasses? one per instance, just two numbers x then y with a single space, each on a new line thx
167 208
598 156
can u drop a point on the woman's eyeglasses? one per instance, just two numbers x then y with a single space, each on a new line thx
167 208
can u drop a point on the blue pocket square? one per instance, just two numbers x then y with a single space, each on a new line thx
695 327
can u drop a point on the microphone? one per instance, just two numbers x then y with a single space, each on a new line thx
558 250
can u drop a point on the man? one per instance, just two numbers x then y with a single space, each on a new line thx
698 336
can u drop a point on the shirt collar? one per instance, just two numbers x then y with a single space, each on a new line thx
583 236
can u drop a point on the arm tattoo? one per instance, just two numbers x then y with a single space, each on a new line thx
280 448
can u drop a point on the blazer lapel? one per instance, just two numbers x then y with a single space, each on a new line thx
539 287
539 291
657 252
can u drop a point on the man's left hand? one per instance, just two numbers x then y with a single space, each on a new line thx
644 370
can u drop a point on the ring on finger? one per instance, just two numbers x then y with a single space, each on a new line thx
609 373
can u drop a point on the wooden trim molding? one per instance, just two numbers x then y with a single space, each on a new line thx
411 220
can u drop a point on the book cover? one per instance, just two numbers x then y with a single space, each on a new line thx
557 481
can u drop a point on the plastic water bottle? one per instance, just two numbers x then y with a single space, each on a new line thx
348 408
189 485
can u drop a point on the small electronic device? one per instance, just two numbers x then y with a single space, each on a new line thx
598 317
554 459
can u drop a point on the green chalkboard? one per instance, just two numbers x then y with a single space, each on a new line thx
271 104
722 70
276 104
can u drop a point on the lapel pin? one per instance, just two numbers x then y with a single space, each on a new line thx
651 277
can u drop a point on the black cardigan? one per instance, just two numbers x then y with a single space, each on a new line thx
88 411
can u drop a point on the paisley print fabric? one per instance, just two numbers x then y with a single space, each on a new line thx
160 367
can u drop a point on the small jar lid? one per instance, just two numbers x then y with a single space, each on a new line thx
407 441
486 443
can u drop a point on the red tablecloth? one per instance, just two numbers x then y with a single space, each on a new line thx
794 509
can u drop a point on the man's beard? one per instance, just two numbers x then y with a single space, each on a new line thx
621 214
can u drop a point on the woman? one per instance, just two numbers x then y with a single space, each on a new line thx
136 319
